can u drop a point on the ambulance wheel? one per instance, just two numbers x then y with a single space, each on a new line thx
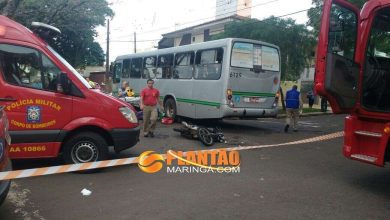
85 147
170 108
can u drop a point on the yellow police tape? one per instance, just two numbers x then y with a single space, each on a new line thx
134 160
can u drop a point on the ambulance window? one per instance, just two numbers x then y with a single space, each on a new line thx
50 72
27 67
20 65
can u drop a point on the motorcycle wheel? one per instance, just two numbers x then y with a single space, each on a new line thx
205 137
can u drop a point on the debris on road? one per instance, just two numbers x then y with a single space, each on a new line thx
86 192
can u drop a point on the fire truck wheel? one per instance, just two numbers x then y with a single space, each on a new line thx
85 147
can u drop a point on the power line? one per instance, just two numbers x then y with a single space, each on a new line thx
129 41
207 18
202 19
248 23
213 8
253 21
280 16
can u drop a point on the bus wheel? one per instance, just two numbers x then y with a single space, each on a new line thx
85 147
170 108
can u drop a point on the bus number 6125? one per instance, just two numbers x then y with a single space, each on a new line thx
235 75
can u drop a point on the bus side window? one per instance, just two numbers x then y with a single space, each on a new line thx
184 65
126 68
136 66
209 64
164 66
149 68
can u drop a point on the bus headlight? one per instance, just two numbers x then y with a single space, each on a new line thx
129 114
275 104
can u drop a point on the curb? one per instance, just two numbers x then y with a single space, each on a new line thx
307 114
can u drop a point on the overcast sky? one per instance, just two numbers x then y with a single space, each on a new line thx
152 18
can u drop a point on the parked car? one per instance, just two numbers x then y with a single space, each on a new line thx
5 162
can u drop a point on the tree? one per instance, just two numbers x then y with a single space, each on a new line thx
315 12
8 7
77 20
296 42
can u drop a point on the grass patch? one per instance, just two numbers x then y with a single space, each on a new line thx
309 110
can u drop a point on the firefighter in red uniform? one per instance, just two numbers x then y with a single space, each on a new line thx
148 103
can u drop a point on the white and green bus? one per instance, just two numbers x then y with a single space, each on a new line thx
216 79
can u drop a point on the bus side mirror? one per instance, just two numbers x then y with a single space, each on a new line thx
63 85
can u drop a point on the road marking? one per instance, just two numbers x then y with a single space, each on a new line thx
16 174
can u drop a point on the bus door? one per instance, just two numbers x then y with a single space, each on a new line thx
337 72
208 83
37 111
254 75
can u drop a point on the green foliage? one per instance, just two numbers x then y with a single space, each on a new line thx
77 20
295 41
315 12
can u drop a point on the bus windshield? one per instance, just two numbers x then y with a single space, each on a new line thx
253 56
70 67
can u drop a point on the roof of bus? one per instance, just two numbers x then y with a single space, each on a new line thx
197 46
12 30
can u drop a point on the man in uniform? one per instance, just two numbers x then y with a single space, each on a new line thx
293 106
148 103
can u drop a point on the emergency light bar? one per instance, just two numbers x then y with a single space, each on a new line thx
40 25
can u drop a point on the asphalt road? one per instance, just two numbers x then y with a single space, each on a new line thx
306 181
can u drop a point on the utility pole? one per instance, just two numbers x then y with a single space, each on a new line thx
135 42
108 51
107 81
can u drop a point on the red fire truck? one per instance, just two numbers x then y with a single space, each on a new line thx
51 108
353 73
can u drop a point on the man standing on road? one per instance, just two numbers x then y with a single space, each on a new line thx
148 103
293 106
324 104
